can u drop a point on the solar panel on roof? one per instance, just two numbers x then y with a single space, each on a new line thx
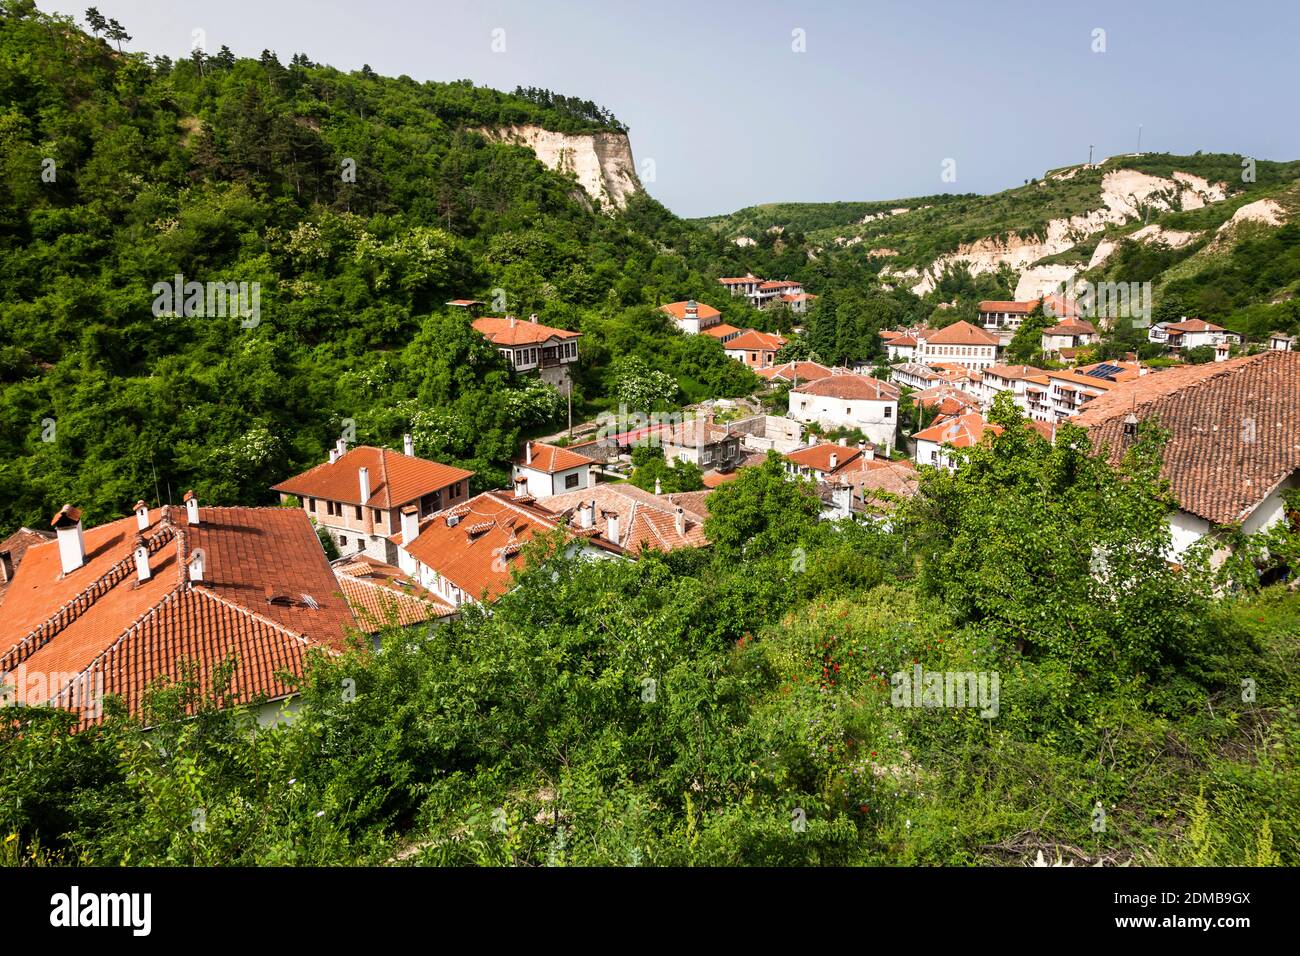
1106 371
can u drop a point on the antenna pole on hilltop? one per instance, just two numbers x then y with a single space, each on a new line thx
1139 152
1089 154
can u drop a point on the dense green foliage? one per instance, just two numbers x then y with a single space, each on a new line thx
734 707
360 204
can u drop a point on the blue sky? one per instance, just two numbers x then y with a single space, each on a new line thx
882 94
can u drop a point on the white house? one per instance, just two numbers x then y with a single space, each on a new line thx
1193 333
849 401
692 317
546 470
959 344
1008 378
1067 334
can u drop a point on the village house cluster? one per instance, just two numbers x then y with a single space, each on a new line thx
110 609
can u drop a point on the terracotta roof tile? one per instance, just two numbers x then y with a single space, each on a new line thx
850 387
395 479
509 332
551 458
1234 429
961 333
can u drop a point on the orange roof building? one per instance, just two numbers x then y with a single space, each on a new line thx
468 553
546 470
692 317
111 610
756 349
357 496
532 347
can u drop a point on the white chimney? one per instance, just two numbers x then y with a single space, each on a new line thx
363 479
870 452
611 530
196 566
408 445
142 571
586 514
512 321
191 508
659 488
141 515
334 455
533 318
341 447
72 546
681 520
528 453
844 443
410 525
835 461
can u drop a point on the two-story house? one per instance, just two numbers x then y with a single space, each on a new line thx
959 344
547 470
849 401
358 495
692 317
533 347
756 349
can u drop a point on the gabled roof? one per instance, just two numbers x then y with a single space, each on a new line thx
476 544
267 597
948 399
1193 325
1071 327
510 331
849 387
960 432
721 330
960 333
678 310
1017 308
740 280
380 594
1234 429
818 457
755 340
1013 373
693 433
16 545
803 371
395 479
550 458
644 519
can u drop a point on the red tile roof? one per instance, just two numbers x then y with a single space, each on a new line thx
722 330
1013 373
740 280
479 550
550 458
961 432
803 371
1234 429
15 546
1016 308
395 479
678 310
508 331
753 340
1193 325
1071 327
818 457
850 387
380 594
948 399
961 333
644 519
99 622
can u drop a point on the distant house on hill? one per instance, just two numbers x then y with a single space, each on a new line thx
692 317
756 349
533 347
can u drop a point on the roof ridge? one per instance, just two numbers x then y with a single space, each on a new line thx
44 632
233 605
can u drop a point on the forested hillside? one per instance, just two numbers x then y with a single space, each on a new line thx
360 204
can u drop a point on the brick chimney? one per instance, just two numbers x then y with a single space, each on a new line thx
141 515
72 545
410 525
191 508
408 445
142 571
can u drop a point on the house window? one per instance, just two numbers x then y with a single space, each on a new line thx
570 481
888 411
343 541
357 509
311 504
753 356
379 518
